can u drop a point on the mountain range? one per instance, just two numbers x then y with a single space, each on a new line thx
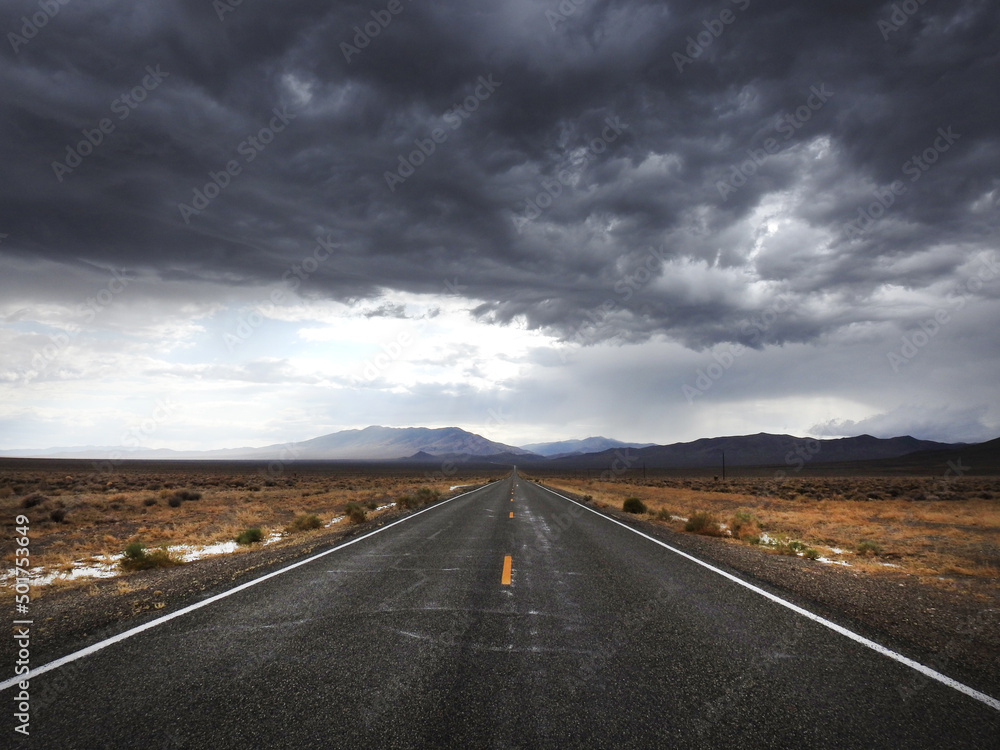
762 449
435 444
372 443
564 448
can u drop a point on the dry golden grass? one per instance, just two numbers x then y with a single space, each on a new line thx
936 538
105 513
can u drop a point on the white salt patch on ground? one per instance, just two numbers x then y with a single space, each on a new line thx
678 518
834 562
891 565
189 552
86 571
99 566
458 486
106 566
11 574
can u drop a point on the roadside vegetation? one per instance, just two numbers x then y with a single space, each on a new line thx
79 517
305 522
943 530
137 557
423 496
355 513
634 505
250 536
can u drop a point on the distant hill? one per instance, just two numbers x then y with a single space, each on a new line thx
961 460
576 447
762 449
423 444
522 459
371 443
400 442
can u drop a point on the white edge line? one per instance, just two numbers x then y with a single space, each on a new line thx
877 647
198 605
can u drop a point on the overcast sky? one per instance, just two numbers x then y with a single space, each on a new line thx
229 224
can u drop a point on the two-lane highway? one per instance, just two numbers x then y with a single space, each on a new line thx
509 617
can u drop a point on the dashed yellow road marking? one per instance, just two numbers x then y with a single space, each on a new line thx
505 578
512 514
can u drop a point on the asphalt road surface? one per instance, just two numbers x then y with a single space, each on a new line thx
425 635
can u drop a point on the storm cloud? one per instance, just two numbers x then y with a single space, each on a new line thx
677 184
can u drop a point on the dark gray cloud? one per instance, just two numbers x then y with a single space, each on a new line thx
739 171
655 185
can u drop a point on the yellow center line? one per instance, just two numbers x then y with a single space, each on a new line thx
512 514
505 578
